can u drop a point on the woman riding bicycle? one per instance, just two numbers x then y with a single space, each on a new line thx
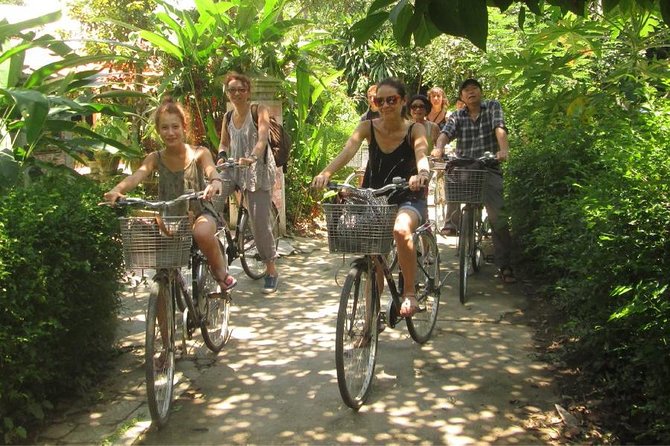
397 149
182 167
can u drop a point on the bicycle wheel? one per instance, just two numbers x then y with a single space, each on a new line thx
214 308
392 258
477 252
465 244
421 325
250 258
440 202
159 353
356 336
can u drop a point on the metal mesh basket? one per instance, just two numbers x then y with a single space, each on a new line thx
465 185
360 228
145 245
221 201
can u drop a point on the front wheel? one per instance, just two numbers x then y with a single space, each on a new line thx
465 245
422 323
159 353
250 258
214 308
356 336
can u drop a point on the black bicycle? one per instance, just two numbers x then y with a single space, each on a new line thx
241 242
165 243
363 224
465 180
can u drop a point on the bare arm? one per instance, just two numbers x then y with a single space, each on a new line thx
350 148
206 162
423 166
130 182
442 141
224 143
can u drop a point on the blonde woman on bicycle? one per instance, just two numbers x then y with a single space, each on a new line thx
183 167
397 149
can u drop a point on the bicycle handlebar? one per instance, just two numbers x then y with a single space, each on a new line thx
133 201
397 184
488 159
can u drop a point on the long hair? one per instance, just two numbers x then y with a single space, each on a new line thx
169 105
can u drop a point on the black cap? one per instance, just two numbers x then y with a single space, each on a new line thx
466 83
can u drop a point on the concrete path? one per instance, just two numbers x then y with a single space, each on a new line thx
476 382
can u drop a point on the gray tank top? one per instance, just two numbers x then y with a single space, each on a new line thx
173 184
261 174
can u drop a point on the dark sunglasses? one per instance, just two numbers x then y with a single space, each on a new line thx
417 107
390 100
234 90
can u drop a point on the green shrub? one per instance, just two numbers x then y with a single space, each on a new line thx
59 274
590 205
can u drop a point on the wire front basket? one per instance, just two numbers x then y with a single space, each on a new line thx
465 185
360 228
156 242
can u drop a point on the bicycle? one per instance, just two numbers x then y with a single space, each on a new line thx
465 183
363 224
165 243
437 186
241 242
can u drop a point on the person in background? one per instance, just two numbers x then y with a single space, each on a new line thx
243 141
182 167
440 104
479 127
397 149
419 107
372 111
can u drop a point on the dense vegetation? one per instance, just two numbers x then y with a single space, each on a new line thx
55 334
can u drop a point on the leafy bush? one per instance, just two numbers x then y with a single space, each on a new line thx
590 204
59 274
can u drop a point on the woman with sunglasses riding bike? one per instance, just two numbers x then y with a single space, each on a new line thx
397 149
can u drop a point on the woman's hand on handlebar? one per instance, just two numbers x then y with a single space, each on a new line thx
321 180
113 195
212 189
417 182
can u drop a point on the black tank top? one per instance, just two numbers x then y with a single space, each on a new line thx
383 167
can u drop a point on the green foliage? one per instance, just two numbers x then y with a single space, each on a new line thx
60 265
420 22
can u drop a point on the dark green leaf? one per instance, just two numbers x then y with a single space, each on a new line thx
44 72
665 11
425 32
522 17
475 18
608 5
366 27
379 4
503 5
34 108
444 15
401 16
534 6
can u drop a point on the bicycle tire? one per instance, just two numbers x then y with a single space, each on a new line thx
356 339
392 258
213 307
422 323
159 353
464 253
250 259
478 253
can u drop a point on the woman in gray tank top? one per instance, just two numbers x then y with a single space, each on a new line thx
247 141
182 167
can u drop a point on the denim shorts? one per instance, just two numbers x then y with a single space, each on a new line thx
419 207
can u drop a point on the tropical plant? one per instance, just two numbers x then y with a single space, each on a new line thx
37 108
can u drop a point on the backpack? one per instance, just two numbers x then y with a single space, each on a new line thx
279 139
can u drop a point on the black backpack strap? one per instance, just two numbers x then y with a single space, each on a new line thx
410 141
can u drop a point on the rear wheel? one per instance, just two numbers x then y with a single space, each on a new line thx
464 253
159 353
356 336
250 258
439 201
420 326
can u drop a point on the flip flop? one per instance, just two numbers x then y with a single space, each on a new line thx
408 303
228 283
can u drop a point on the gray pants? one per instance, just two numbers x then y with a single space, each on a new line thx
259 204
495 208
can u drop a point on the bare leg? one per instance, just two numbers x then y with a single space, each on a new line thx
204 233
405 223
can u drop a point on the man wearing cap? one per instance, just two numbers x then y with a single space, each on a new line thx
479 127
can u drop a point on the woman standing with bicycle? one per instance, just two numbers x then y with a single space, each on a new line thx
397 149
247 141
182 167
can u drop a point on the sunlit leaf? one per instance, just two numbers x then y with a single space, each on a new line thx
366 27
34 108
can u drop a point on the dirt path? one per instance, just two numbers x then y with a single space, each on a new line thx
477 381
